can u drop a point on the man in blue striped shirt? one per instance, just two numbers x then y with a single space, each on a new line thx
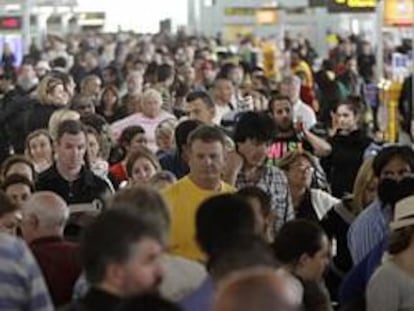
21 283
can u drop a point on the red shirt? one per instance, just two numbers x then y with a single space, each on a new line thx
60 265
118 172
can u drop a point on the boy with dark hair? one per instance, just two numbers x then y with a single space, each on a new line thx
252 136
233 248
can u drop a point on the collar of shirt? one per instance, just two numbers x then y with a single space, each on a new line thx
383 210
99 299
46 240
85 174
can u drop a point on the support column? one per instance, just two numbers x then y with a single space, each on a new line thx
380 40
27 5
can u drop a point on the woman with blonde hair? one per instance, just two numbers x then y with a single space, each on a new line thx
365 187
58 117
97 163
39 149
308 203
51 96
338 220
51 91
141 166
164 136
91 86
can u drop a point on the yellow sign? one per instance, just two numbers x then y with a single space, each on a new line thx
360 3
399 12
239 11
267 16
343 6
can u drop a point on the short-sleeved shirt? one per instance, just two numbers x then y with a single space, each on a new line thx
184 198
390 288
281 146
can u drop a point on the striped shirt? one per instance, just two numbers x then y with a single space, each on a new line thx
274 182
21 283
368 230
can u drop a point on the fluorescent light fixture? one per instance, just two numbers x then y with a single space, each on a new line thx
13 7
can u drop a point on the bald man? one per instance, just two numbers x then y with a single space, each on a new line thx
256 289
44 218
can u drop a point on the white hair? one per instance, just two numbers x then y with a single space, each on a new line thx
152 94
50 209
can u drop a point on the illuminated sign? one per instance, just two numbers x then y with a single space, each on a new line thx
351 6
93 19
10 22
92 15
399 13
239 11
267 16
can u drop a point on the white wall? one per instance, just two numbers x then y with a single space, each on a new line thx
138 15
313 24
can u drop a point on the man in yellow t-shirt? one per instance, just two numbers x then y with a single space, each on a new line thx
206 153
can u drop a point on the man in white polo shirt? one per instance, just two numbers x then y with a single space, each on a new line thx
290 87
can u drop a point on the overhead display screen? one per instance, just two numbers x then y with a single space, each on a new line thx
351 6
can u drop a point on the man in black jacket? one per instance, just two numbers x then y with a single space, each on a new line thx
8 91
70 176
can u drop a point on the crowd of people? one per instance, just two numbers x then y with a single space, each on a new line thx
153 173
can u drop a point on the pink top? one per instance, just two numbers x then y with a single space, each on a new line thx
149 125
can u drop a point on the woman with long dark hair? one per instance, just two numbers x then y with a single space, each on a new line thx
110 104
348 146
